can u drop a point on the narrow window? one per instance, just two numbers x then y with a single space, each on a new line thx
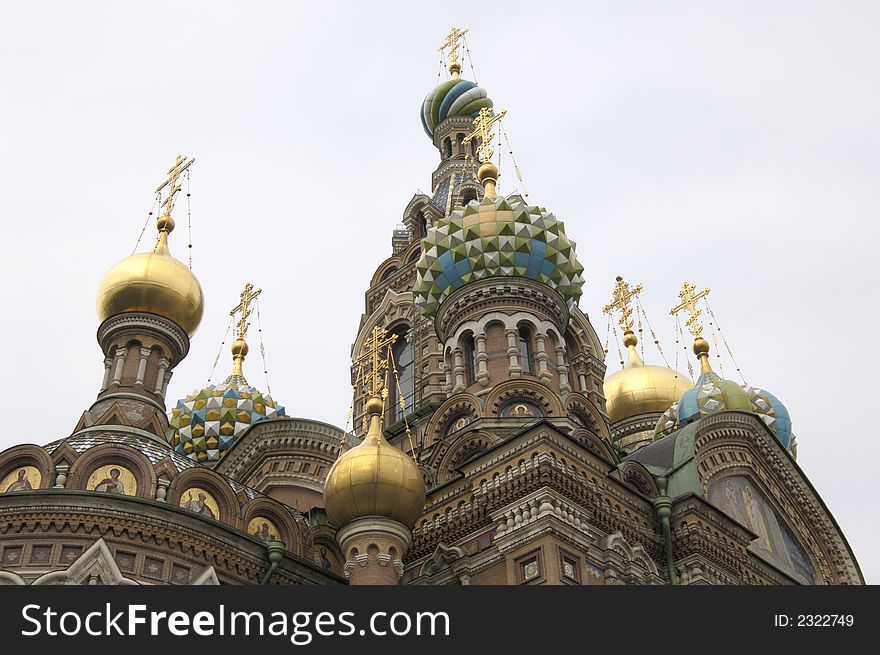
470 360
525 348
403 360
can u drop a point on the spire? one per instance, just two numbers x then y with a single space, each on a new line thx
452 45
689 304
622 297
239 346
488 173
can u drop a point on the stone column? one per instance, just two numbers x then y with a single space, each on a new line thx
513 369
142 365
166 380
542 358
447 374
108 365
160 378
121 354
482 359
562 369
458 370
373 548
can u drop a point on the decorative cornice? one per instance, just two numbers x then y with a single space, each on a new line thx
135 323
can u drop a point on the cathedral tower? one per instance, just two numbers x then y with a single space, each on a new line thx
150 304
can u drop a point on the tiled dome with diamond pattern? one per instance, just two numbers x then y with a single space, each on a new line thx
206 424
712 394
496 237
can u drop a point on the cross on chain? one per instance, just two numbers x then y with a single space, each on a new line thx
247 296
180 165
483 129
689 304
622 297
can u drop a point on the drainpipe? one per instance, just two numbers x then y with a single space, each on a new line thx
274 553
663 507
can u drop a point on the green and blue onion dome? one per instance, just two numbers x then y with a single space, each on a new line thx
206 424
712 394
454 97
495 237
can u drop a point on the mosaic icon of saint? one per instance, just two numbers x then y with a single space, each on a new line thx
113 484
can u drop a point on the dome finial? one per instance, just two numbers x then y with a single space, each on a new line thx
239 346
621 300
488 173
165 224
689 304
452 45
375 478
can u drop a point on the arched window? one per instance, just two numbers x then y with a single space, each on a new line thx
467 195
423 225
525 348
470 360
403 360
447 147
460 139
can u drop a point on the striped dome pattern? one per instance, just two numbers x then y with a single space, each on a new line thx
713 394
495 237
205 425
455 97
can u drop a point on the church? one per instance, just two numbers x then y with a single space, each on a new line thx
490 444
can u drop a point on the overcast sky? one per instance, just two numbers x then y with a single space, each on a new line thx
734 145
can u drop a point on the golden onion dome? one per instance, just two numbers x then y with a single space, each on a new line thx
641 388
153 282
374 479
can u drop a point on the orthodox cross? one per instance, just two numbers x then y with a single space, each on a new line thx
180 165
483 129
247 296
451 43
689 304
376 357
623 295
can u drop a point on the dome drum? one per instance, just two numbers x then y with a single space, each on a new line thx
137 324
505 294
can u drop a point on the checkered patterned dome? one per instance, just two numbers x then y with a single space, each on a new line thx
456 97
205 425
492 238
712 394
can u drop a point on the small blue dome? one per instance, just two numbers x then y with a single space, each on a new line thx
713 394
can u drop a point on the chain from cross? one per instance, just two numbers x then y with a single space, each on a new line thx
483 129
689 304
377 355
621 299
247 296
452 43
180 165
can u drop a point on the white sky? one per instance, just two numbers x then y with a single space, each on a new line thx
730 144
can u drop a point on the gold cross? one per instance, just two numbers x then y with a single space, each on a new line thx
622 297
243 306
483 129
377 353
451 43
180 165
689 304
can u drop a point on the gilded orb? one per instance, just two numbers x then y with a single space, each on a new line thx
240 348
642 388
153 282
374 479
